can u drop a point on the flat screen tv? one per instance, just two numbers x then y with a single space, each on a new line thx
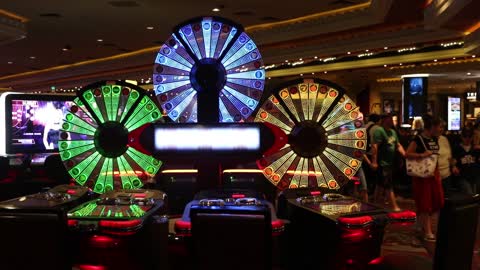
32 122
414 97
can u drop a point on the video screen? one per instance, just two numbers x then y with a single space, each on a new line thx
35 125
454 113
414 97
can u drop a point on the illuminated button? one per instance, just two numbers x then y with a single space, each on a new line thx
88 95
75 171
116 90
332 94
64 145
155 115
263 115
348 106
74 109
125 91
66 155
313 88
66 126
97 92
134 94
106 90
69 117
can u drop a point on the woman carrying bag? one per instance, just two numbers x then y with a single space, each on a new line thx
427 188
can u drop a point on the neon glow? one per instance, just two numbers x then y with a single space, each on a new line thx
180 171
208 38
130 108
327 109
200 138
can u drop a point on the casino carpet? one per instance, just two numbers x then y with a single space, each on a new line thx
406 240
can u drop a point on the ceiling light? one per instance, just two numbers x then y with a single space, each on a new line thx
366 50
216 10
286 61
301 74
385 48
269 78
9 62
400 64
149 27
384 65
99 40
469 73
325 72
313 73
348 52
32 57
316 57
300 59
66 48
435 60
473 56
454 58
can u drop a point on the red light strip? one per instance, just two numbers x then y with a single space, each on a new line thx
355 221
120 224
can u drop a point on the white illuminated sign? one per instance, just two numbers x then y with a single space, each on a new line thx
454 115
207 138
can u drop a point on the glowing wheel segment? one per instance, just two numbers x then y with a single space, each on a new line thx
214 55
325 133
94 139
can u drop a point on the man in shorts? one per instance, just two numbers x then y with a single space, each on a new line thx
385 147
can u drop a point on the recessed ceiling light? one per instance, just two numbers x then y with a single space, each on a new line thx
216 10
269 78
348 52
473 56
385 48
325 72
9 62
149 27
300 59
313 73
454 58
301 74
32 57
435 60
286 61
400 64
469 73
316 57
366 50
99 40
384 65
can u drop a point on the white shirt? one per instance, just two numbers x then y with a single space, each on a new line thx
444 156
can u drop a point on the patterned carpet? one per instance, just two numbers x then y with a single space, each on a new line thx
406 240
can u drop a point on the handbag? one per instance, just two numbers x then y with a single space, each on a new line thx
422 167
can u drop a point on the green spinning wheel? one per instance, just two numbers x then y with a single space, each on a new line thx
95 137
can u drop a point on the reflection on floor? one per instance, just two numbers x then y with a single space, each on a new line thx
406 239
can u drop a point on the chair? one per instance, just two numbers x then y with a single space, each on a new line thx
456 235
55 170
33 240
232 239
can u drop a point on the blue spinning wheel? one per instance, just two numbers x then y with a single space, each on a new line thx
209 65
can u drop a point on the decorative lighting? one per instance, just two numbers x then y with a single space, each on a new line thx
385 48
315 57
435 60
301 74
329 59
365 55
32 57
9 62
400 64
366 50
99 40
313 73
270 66
384 65
286 61
325 72
469 73
454 43
216 10
297 63
348 52
454 58
300 59
407 49
149 27
269 78
473 56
